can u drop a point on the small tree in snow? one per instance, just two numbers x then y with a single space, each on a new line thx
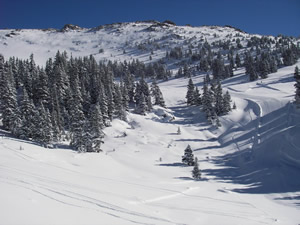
188 157
196 173
178 131
234 106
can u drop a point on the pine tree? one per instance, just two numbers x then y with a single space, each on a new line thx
42 129
8 99
110 101
296 73
226 103
93 130
197 97
218 69
117 100
130 85
141 107
234 106
186 71
204 66
27 112
219 99
125 97
157 94
207 99
196 173
179 72
238 61
144 88
250 68
103 102
288 57
190 92
149 103
297 86
77 120
42 89
188 157
2 79
178 131
218 123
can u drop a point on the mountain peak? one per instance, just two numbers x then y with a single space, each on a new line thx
68 27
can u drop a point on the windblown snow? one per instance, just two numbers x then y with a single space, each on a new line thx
250 166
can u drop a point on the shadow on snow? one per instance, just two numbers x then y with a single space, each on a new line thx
267 159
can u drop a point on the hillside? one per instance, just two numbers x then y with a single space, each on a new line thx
124 41
250 164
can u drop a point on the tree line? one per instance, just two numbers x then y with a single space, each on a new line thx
73 99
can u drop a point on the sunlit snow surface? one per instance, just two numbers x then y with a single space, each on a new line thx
250 166
126 41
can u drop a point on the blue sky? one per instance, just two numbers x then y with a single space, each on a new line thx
270 17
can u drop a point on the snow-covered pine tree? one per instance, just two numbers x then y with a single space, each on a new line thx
218 67
197 97
42 88
141 106
157 94
117 99
178 131
296 73
129 84
110 101
289 56
179 72
297 86
27 111
144 88
103 102
42 129
186 71
238 60
196 173
231 60
125 97
8 99
218 123
149 104
204 66
190 93
207 106
93 130
226 103
250 67
188 157
77 120
234 105
219 107
119 109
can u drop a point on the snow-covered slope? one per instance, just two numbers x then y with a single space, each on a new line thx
122 41
250 166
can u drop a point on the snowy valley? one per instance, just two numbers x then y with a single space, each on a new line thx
250 163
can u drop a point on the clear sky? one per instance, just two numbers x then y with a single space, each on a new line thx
270 17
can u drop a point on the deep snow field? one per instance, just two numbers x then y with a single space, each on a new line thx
250 166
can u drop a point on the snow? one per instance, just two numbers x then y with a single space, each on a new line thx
113 39
250 166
